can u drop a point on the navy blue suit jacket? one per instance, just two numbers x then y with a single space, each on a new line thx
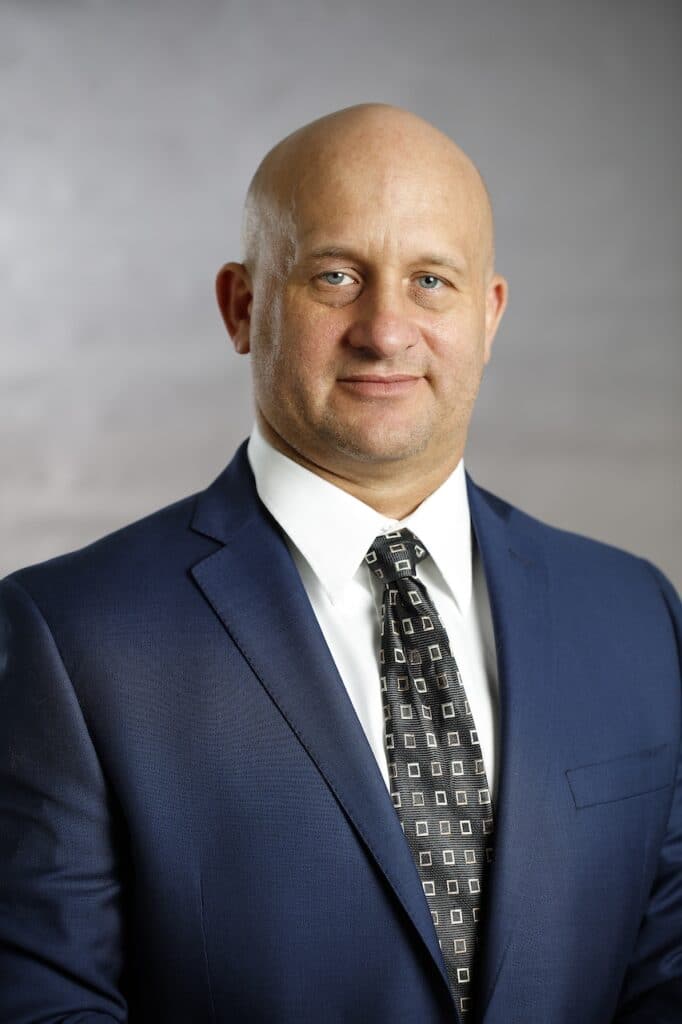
193 827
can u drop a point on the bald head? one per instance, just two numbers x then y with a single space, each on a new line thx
367 301
369 148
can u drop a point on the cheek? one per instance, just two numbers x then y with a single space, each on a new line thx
457 352
310 346
292 365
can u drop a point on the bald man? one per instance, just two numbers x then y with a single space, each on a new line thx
344 737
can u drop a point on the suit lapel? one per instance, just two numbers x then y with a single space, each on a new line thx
516 577
254 588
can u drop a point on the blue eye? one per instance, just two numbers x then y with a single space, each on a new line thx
335 277
429 281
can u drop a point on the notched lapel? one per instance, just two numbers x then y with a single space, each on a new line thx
516 576
253 586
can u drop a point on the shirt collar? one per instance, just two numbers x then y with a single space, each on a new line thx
333 530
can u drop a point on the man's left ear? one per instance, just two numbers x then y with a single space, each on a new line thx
234 293
495 305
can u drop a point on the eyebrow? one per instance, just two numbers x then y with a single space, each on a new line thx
331 252
341 252
442 260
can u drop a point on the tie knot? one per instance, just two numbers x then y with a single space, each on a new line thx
394 556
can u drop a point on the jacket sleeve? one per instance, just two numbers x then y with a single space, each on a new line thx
652 990
61 921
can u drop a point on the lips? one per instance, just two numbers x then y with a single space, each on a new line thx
372 385
379 378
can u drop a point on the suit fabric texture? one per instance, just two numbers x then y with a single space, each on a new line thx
193 826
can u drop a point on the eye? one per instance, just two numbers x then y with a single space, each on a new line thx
429 281
336 277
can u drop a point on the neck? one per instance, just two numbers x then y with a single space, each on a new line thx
393 489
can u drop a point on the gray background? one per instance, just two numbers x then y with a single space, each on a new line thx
128 135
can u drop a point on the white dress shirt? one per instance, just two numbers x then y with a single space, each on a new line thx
328 532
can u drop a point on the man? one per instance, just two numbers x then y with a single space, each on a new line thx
345 737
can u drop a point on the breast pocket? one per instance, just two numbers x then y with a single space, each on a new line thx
632 775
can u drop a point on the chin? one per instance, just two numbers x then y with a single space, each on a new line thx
379 446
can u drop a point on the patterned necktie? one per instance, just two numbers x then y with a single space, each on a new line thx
437 777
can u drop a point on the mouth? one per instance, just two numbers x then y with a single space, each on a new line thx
375 385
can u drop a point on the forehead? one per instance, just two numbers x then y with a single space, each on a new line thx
384 204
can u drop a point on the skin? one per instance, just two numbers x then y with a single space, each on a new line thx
367 300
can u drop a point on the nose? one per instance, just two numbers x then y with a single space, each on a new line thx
383 327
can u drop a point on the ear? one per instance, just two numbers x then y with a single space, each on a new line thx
234 292
495 305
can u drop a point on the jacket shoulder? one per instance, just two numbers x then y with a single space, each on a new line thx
142 555
572 555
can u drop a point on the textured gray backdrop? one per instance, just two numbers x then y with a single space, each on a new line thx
128 133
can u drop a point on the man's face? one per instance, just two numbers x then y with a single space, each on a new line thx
372 321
